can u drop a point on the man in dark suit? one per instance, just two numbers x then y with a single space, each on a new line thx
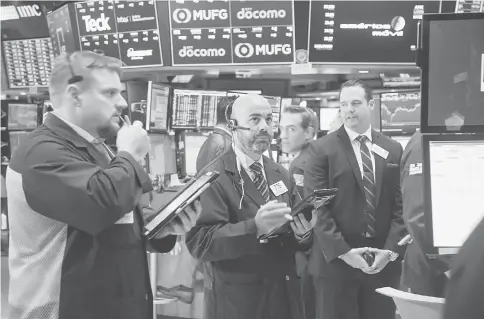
356 246
422 275
251 197
298 126
466 286
217 142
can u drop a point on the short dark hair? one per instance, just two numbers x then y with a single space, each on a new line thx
366 87
309 118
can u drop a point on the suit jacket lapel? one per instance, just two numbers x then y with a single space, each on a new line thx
379 168
350 154
230 163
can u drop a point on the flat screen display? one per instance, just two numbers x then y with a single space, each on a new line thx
231 32
22 116
16 137
456 170
157 107
400 112
127 30
326 116
28 62
162 154
453 81
193 144
365 31
23 20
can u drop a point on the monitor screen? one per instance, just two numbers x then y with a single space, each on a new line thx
400 112
193 144
16 137
326 116
456 170
157 107
162 154
380 31
28 62
453 79
22 116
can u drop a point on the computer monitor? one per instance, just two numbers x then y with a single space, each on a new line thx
22 116
15 138
452 73
453 171
193 143
400 112
326 116
157 106
162 154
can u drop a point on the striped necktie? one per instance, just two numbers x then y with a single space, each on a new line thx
369 185
260 181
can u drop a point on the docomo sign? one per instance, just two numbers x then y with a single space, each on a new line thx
184 15
188 51
247 50
249 14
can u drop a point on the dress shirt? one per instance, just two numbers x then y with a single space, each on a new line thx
246 161
357 148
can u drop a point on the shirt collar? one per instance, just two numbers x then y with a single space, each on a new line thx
82 133
245 160
353 135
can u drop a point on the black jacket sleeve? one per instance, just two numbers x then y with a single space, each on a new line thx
60 184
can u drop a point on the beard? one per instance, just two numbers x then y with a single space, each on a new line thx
257 144
109 129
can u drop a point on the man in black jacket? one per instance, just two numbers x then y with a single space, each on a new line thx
77 246
298 126
421 274
218 142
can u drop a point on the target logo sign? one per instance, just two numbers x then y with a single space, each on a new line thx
244 50
182 15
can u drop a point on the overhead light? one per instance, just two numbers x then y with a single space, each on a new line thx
363 71
23 93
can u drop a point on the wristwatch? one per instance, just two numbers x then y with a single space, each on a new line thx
392 256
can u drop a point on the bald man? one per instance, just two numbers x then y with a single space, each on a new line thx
251 279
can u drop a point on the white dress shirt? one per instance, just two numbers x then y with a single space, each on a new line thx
357 148
246 161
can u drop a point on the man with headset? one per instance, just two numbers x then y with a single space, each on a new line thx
77 249
252 279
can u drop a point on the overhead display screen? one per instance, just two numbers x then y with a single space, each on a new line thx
365 31
453 82
28 62
232 32
22 20
400 112
466 6
127 30
61 30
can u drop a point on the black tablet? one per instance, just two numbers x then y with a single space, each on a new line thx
316 199
185 197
